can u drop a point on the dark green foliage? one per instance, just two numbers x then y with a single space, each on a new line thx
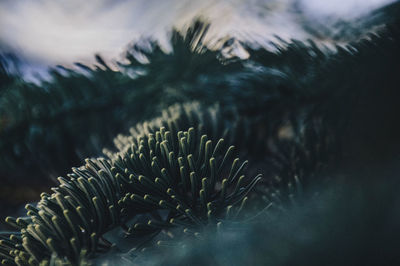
198 183
35 117
73 105
299 114
195 181
304 156
72 219
189 174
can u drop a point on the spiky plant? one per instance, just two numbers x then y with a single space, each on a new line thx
165 181
188 174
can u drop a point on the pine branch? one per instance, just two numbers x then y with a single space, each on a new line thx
106 194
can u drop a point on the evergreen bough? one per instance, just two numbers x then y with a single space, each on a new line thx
197 182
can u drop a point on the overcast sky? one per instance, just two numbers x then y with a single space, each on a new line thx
49 32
